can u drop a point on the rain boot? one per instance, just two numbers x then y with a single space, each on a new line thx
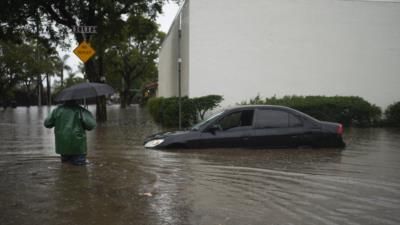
78 160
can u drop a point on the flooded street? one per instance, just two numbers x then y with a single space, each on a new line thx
126 184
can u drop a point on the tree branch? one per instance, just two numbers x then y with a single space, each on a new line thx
54 16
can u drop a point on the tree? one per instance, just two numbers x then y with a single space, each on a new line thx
133 60
57 65
108 17
392 114
21 65
10 71
51 21
28 35
206 103
70 80
63 66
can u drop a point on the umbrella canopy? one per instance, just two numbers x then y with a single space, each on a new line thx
84 90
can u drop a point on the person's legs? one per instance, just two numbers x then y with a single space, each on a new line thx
65 158
78 160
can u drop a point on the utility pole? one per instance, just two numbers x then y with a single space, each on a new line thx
180 71
62 73
39 79
48 89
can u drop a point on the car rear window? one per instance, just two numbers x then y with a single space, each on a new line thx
295 121
266 118
269 118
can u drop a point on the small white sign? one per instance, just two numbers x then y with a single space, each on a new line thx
85 29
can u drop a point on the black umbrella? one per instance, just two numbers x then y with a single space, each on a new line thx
84 90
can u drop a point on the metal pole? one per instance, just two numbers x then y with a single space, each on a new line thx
179 71
39 79
180 93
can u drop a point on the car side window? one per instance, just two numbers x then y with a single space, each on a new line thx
295 121
268 118
237 119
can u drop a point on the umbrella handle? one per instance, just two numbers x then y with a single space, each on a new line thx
81 119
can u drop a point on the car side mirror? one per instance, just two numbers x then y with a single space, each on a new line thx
214 128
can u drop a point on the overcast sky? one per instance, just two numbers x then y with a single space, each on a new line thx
165 20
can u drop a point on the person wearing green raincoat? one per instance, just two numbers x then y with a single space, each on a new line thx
70 121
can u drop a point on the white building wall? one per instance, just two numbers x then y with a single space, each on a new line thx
185 49
168 77
239 49
167 66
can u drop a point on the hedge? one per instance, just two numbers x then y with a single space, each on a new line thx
392 115
348 110
165 111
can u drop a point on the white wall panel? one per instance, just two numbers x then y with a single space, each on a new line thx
295 47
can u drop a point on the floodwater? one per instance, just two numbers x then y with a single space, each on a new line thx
126 184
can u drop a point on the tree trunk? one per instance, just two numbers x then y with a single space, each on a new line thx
101 115
93 76
122 94
62 75
39 90
123 99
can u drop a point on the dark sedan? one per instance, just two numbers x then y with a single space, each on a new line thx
253 126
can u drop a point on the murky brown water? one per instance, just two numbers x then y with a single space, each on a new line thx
126 184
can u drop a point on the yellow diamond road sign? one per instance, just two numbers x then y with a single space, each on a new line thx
84 51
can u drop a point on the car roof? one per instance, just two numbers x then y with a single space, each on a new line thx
279 107
240 107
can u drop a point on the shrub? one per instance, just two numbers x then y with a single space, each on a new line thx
348 110
169 110
154 106
392 114
206 103
165 111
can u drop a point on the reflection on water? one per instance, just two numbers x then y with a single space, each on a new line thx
126 184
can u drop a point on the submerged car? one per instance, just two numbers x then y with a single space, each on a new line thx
253 126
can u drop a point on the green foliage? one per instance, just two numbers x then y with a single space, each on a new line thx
392 114
51 23
22 64
71 80
133 60
154 107
206 103
348 110
166 110
170 112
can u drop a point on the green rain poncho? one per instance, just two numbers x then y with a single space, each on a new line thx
70 122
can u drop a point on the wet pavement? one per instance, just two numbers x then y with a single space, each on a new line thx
126 184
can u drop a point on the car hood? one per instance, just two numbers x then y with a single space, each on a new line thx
164 135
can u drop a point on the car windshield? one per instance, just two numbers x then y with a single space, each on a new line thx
202 123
